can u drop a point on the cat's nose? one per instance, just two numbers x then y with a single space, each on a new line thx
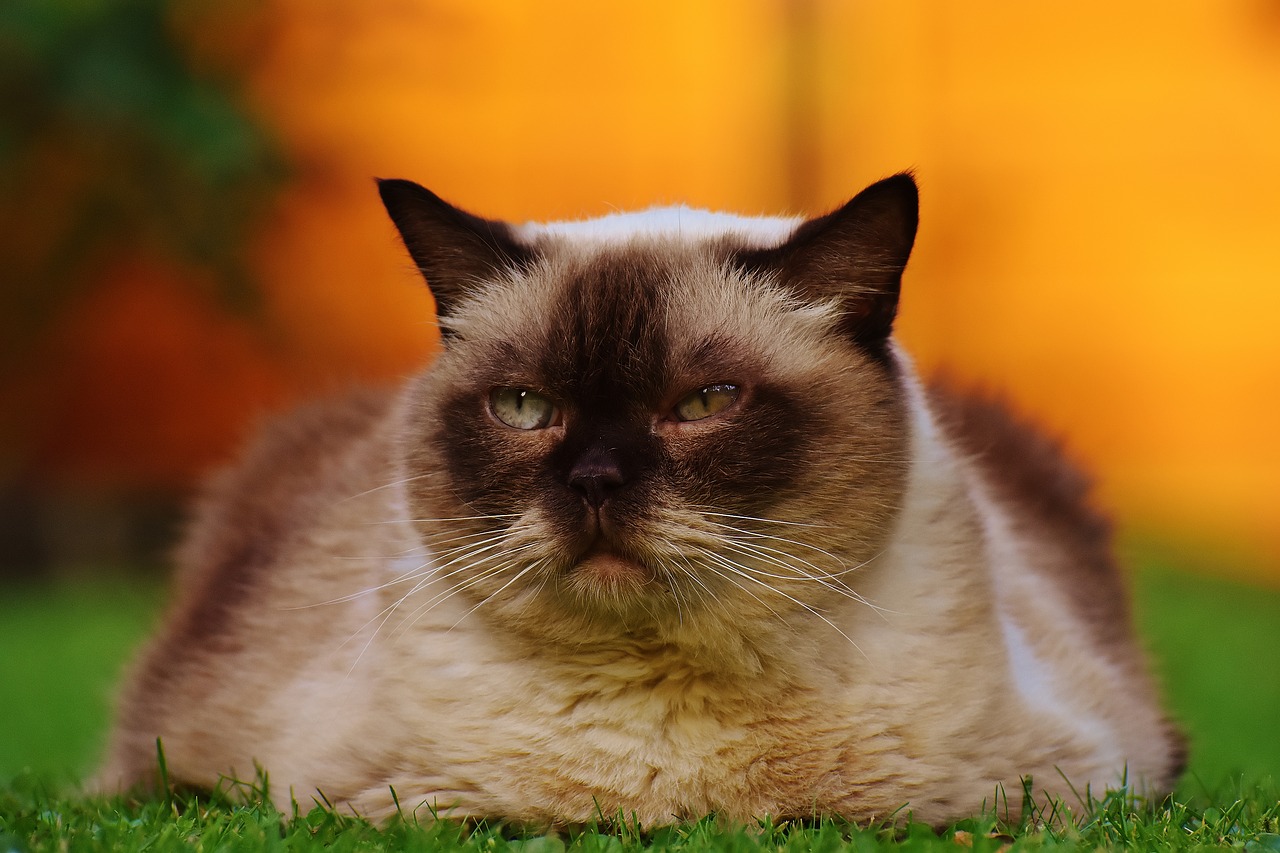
596 475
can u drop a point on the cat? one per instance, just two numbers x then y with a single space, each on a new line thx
670 527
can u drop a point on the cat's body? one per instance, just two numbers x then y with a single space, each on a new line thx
670 528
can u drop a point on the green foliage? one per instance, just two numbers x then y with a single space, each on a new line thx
112 142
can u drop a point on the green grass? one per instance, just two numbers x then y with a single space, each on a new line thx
62 651
1216 647
33 817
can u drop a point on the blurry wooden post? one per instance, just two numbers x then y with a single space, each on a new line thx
801 110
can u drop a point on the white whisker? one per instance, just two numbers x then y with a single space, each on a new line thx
796 542
711 512
390 485
746 573
736 571
530 567
488 517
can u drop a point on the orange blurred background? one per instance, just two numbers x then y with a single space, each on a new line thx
1100 229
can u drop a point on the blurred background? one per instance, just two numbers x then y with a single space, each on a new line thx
190 238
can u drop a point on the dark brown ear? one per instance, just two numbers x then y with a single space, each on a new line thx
454 251
855 254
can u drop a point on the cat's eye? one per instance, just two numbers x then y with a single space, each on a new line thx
705 402
522 408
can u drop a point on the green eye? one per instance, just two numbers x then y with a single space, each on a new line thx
705 402
522 408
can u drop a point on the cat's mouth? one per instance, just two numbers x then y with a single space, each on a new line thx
603 570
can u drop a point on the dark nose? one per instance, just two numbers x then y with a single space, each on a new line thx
596 475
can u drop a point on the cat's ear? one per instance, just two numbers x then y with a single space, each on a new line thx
855 255
454 250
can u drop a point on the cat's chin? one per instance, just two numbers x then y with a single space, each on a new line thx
608 576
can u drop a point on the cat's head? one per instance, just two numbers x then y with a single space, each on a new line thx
650 419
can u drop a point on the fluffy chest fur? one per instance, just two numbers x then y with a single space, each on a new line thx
669 528
639 730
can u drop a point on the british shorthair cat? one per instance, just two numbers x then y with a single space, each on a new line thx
670 527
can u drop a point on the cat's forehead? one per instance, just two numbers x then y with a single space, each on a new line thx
677 225
641 313
626 277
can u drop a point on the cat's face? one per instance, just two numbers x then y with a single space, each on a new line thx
650 428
